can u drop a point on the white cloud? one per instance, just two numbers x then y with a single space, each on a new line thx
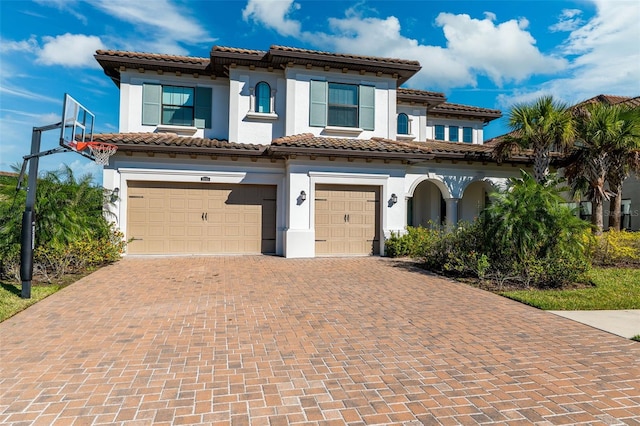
26 94
165 20
29 46
504 52
568 20
274 15
69 50
604 59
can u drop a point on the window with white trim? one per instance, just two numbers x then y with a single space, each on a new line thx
341 105
467 134
453 133
263 97
439 132
403 124
176 105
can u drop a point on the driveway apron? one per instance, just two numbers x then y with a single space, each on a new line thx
264 340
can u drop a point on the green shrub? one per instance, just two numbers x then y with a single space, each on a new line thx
71 230
527 237
412 243
617 247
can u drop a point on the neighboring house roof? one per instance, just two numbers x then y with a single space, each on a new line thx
223 57
606 99
306 144
465 111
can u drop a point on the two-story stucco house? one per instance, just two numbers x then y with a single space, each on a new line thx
288 151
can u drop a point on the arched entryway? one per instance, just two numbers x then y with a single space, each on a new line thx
474 199
427 206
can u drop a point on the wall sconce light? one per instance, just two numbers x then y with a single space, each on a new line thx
394 198
303 195
114 195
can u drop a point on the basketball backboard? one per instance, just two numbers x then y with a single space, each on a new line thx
77 125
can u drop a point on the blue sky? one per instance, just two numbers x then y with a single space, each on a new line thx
484 53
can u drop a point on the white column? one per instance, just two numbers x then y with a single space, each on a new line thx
452 211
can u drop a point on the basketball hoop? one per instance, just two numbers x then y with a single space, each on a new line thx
101 151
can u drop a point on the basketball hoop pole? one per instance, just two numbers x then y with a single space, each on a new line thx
28 233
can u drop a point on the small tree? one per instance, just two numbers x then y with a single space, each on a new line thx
602 132
531 226
541 126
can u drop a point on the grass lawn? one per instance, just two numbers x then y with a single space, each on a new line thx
615 288
11 303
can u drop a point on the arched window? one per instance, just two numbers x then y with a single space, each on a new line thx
263 97
403 124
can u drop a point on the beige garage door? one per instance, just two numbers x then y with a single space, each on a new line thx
347 220
174 218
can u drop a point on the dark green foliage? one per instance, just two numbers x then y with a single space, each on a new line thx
71 230
527 237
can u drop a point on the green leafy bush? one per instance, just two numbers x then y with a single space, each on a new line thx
72 232
527 237
413 243
617 247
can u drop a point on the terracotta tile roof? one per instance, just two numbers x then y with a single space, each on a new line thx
251 52
420 96
304 144
280 49
307 143
608 99
171 142
153 57
448 108
631 102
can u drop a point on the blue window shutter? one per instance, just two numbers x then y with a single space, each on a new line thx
318 104
367 107
203 108
151 104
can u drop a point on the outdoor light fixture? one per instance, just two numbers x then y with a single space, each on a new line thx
394 198
114 195
303 195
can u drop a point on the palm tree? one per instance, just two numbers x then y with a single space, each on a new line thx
623 160
602 132
541 126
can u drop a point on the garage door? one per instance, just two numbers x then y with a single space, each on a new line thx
173 218
347 220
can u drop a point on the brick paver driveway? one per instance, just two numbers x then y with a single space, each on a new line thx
266 340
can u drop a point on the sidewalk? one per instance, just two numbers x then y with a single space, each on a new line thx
625 323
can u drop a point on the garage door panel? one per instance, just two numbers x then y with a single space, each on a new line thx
201 218
347 219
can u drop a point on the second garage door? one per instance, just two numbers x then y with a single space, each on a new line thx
347 220
175 218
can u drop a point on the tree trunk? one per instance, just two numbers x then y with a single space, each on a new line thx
615 205
540 164
596 215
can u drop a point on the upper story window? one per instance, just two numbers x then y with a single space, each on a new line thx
263 97
403 124
439 132
341 105
453 133
176 105
467 134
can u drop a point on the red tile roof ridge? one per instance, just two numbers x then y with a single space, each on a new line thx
344 55
238 50
169 139
146 55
